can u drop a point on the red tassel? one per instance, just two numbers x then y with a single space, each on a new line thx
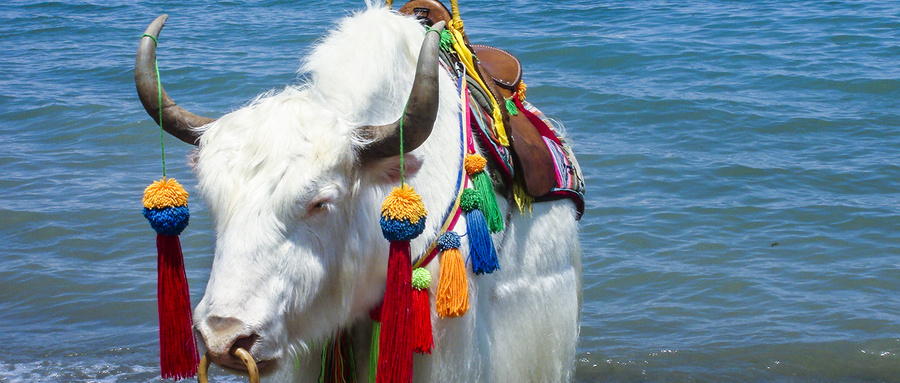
424 341
178 357
396 348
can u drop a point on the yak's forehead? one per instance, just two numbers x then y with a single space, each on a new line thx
271 152
359 74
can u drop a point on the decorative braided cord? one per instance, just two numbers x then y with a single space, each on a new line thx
456 20
453 213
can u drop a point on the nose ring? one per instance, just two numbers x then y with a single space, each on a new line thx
252 370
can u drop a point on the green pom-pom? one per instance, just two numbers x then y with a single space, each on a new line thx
421 279
469 200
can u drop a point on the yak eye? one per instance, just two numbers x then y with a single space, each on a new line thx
319 205
323 201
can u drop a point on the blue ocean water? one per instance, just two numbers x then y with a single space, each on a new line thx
742 162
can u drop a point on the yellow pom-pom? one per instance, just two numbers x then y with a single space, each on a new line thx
474 164
403 203
165 193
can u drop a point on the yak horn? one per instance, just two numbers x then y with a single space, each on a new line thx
175 120
421 109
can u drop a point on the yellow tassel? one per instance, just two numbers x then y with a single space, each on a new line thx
165 193
523 199
521 90
453 289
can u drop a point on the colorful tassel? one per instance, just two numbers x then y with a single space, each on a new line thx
475 168
402 219
481 246
338 361
375 314
520 90
165 207
446 40
452 298
511 107
423 341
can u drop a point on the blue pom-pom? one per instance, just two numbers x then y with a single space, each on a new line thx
448 240
401 230
168 221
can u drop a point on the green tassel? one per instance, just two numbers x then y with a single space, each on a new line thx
511 107
373 352
446 40
485 189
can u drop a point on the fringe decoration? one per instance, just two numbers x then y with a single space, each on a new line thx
165 207
402 219
452 298
338 361
522 198
475 167
481 246
423 341
375 314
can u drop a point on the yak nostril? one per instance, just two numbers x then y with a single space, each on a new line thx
224 324
245 342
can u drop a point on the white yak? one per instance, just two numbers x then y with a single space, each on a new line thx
295 196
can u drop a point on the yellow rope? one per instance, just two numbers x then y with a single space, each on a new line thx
466 57
456 22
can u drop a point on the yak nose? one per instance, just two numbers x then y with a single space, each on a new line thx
223 336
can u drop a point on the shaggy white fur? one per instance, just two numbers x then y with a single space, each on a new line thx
299 252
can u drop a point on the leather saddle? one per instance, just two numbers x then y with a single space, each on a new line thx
502 73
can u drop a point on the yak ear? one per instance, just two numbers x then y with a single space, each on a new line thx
193 157
387 170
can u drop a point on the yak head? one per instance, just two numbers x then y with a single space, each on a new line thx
294 182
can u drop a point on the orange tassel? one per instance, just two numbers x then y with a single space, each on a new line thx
453 289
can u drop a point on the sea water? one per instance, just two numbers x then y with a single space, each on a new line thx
742 160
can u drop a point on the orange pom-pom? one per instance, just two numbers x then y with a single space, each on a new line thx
474 164
165 193
403 204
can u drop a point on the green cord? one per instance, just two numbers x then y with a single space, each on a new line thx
402 167
162 142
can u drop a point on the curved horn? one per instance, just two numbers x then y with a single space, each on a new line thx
421 109
175 120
